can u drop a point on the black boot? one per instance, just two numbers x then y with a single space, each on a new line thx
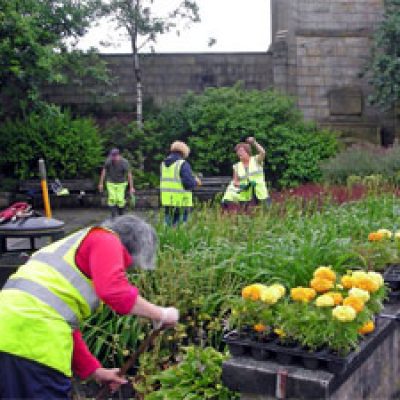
121 210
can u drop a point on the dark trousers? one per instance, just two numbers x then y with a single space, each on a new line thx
176 215
25 379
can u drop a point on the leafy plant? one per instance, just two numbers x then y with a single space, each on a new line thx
363 161
71 147
197 376
33 50
384 64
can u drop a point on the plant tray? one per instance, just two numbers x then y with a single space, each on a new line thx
287 355
391 276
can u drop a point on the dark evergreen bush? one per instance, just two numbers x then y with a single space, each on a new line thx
70 146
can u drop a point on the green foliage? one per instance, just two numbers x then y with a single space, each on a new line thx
363 161
71 147
384 65
197 376
215 121
33 48
135 145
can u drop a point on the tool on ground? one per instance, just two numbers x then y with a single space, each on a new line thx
45 190
104 391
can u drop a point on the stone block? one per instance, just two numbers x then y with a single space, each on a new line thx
345 101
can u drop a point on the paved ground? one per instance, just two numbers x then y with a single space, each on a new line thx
74 219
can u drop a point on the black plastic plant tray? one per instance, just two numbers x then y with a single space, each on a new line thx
287 355
392 277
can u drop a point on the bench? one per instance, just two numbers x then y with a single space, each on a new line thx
82 192
211 186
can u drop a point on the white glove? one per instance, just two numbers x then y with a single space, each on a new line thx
169 318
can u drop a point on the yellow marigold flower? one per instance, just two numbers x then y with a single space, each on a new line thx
325 301
325 273
354 302
359 293
252 292
281 288
377 278
385 232
259 328
368 327
344 313
366 283
347 281
280 332
302 294
270 295
359 274
375 237
321 285
337 297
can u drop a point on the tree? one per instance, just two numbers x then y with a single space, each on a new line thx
34 49
138 19
384 65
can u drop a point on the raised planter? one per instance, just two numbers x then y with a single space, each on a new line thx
370 372
391 276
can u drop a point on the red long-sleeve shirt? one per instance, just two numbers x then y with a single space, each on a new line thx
102 258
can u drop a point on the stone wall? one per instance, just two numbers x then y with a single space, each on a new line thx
319 48
168 76
326 46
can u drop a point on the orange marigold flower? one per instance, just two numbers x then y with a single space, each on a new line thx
347 281
368 327
259 328
356 303
302 294
325 273
366 283
337 297
321 285
375 236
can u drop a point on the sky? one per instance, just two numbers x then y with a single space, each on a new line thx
236 25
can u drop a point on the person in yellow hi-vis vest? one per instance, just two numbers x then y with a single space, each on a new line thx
248 187
44 302
116 171
176 184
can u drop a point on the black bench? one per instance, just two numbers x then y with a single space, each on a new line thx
82 192
211 186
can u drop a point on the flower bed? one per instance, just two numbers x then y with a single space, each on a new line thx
320 325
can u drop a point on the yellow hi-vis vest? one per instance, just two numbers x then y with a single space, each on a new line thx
172 191
43 302
254 174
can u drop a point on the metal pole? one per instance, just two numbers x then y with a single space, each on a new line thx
45 190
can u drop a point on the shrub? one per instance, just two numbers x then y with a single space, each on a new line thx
135 147
363 161
213 122
71 147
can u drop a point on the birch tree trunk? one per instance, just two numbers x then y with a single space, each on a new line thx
137 71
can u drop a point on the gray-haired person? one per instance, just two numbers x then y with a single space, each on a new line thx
61 285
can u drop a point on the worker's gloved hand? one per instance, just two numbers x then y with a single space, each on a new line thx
198 181
169 318
109 377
